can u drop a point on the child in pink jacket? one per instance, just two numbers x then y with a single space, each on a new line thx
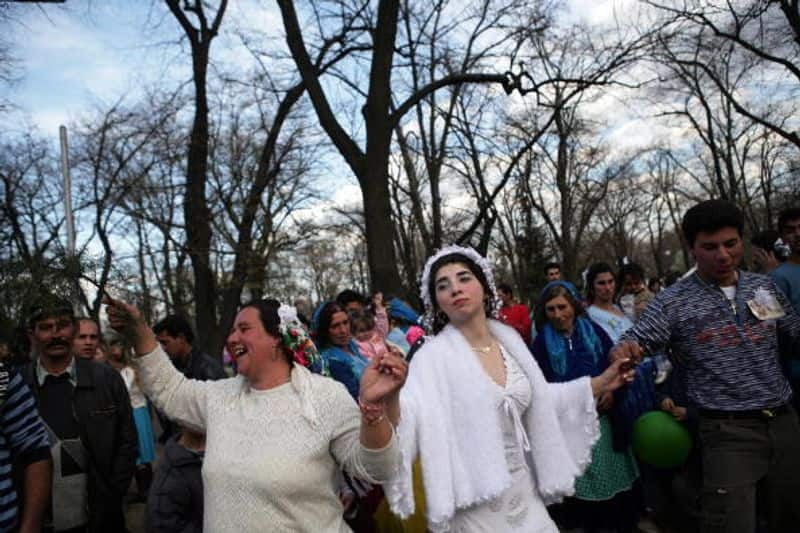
371 343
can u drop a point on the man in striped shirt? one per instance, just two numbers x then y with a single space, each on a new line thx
23 441
724 325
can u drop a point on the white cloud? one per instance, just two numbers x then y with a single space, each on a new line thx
600 13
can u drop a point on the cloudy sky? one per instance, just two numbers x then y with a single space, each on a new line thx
86 53
75 55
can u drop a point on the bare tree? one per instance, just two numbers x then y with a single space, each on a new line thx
110 160
473 142
31 217
665 193
765 35
570 178
200 35
260 176
724 157
521 240
618 220
372 37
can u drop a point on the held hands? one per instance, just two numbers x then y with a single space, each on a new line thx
630 350
621 372
624 358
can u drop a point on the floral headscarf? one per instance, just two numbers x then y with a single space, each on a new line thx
295 337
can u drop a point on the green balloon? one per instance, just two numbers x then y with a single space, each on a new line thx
660 440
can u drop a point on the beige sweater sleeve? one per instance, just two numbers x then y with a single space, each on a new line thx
374 466
179 398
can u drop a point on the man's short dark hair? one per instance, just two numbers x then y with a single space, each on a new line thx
787 215
349 295
550 265
505 288
48 306
711 216
175 325
630 269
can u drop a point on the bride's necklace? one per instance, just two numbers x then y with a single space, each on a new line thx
482 349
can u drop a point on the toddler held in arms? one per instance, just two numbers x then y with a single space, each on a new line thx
370 341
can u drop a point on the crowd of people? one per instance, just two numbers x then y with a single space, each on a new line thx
475 414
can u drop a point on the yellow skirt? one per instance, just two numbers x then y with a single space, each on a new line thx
389 523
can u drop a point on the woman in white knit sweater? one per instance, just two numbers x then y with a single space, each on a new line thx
277 435
495 440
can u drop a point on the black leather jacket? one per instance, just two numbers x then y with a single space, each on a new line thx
102 407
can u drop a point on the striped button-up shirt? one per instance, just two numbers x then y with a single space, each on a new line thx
23 439
730 355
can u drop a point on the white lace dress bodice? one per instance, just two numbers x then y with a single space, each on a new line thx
519 508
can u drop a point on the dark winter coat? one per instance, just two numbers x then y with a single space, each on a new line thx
102 408
175 503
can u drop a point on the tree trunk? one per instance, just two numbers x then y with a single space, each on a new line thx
375 184
197 215
378 220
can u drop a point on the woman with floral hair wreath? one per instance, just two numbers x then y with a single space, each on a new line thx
277 434
496 441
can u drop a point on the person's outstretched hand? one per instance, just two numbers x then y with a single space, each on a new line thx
384 377
128 321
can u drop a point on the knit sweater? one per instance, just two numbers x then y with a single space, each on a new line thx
731 356
272 456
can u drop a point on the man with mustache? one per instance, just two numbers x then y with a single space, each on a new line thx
87 411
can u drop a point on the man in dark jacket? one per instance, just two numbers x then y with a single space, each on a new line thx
176 337
87 411
175 502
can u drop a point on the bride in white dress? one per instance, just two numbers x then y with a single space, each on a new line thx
495 440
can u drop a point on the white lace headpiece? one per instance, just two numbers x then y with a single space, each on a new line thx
478 259
288 315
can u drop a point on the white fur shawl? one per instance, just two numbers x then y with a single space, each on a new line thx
447 419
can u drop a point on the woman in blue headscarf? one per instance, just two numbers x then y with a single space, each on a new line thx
569 346
337 347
